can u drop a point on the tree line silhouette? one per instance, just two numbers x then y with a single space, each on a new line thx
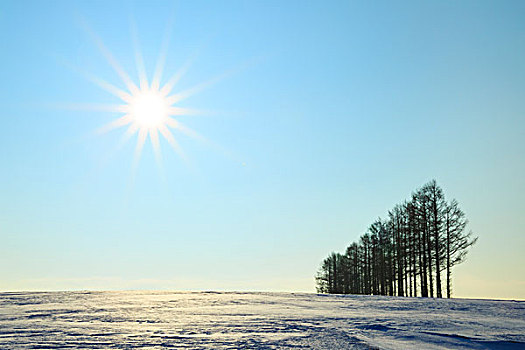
406 254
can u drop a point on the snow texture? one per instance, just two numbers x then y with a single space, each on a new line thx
215 320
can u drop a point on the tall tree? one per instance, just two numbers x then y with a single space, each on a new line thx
457 241
436 201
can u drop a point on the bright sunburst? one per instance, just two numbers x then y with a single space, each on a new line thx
147 108
148 111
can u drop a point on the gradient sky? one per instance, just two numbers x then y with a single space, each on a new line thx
333 113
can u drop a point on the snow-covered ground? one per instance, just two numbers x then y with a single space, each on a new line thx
209 320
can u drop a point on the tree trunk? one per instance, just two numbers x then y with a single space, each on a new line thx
448 255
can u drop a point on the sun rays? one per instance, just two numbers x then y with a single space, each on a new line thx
147 108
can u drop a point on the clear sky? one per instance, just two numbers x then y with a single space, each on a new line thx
329 114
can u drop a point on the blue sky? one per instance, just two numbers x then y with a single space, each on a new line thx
333 112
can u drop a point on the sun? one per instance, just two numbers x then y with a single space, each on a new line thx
149 109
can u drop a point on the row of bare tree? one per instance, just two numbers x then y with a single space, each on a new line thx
408 254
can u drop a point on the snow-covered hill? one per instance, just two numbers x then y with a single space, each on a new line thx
210 320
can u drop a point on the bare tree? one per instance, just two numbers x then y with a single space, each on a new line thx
457 241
